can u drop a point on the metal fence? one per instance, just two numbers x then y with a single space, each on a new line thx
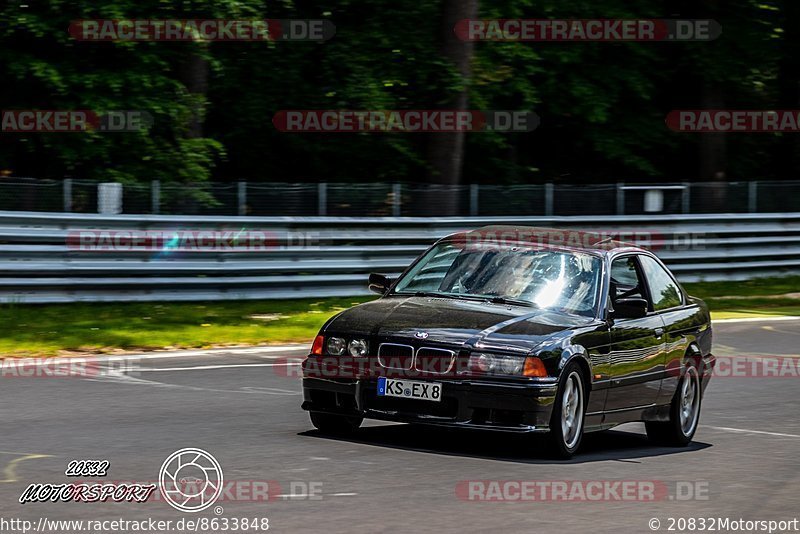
43 260
405 200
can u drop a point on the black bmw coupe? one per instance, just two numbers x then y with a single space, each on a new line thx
520 330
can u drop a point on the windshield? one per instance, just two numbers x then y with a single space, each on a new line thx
557 280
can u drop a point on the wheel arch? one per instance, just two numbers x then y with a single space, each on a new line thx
578 355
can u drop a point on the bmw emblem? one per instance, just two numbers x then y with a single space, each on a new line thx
421 335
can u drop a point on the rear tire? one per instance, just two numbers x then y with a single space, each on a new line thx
335 424
684 413
567 420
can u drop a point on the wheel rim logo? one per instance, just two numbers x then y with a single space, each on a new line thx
190 480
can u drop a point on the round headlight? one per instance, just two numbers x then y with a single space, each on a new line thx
336 346
484 363
357 347
511 365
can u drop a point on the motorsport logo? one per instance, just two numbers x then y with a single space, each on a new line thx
190 480
87 492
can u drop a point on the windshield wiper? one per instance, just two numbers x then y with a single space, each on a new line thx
441 295
476 298
437 294
515 302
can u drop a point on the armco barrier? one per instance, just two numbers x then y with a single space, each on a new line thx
332 256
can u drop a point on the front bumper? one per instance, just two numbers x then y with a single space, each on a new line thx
465 403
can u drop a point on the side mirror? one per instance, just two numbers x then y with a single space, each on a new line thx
379 283
630 308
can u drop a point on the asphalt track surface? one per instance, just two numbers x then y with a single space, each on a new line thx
242 408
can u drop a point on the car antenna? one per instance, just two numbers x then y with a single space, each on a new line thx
608 238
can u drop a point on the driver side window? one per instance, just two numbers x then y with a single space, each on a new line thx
625 281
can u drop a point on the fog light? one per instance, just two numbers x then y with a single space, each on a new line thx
336 346
357 348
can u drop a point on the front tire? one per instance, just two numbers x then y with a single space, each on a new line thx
335 424
567 420
684 413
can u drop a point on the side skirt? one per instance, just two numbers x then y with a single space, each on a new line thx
598 421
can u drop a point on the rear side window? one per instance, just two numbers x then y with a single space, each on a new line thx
663 289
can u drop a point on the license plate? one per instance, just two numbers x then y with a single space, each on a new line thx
409 389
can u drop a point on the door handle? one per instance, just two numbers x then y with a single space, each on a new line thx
659 332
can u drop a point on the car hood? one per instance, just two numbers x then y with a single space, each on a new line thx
455 322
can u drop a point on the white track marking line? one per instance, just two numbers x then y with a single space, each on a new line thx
780 331
10 471
124 378
210 367
756 319
314 495
159 356
745 431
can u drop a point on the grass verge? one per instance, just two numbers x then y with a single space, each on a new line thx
54 329
761 297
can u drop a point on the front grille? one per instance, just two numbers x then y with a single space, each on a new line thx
394 356
434 361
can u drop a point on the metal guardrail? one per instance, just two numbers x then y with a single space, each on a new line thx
331 256
384 199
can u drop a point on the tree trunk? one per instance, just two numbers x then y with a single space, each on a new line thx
713 152
194 74
789 87
446 150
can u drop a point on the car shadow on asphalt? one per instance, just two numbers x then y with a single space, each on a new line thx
620 445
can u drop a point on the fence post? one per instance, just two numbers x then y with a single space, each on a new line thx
474 190
322 199
397 199
67 195
752 197
242 198
686 199
620 198
155 197
109 198
549 198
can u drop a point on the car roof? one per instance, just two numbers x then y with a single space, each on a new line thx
598 242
